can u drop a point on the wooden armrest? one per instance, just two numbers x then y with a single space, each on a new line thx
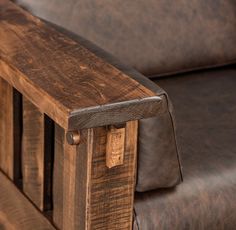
66 81
87 176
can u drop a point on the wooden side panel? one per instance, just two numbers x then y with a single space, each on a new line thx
94 196
16 212
10 131
36 155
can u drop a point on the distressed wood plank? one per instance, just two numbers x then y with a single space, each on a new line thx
58 176
6 127
74 184
69 83
10 131
94 196
16 212
37 155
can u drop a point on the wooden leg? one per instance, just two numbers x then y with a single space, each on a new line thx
10 131
94 196
37 155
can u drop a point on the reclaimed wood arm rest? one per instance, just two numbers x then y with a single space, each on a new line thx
66 81
86 181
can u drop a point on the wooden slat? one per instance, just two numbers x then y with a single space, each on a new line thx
10 131
74 185
58 176
6 129
16 212
37 156
94 196
69 83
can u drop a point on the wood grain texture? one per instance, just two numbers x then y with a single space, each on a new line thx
111 191
75 183
16 212
115 146
6 129
69 83
10 131
58 176
37 155
94 196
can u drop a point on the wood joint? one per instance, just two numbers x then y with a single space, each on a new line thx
115 146
73 137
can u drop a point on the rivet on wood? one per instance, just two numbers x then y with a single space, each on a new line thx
73 137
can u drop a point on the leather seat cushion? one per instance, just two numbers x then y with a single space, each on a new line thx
155 37
205 106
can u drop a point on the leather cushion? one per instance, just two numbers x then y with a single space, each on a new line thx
205 105
155 37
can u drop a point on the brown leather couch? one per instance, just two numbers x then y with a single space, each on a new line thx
188 50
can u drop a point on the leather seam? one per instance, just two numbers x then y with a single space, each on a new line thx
174 132
136 220
189 70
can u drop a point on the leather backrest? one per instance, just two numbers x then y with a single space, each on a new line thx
156 37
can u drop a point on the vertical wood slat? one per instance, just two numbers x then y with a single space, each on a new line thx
58 176
75 175
94 196
10 131
37 155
